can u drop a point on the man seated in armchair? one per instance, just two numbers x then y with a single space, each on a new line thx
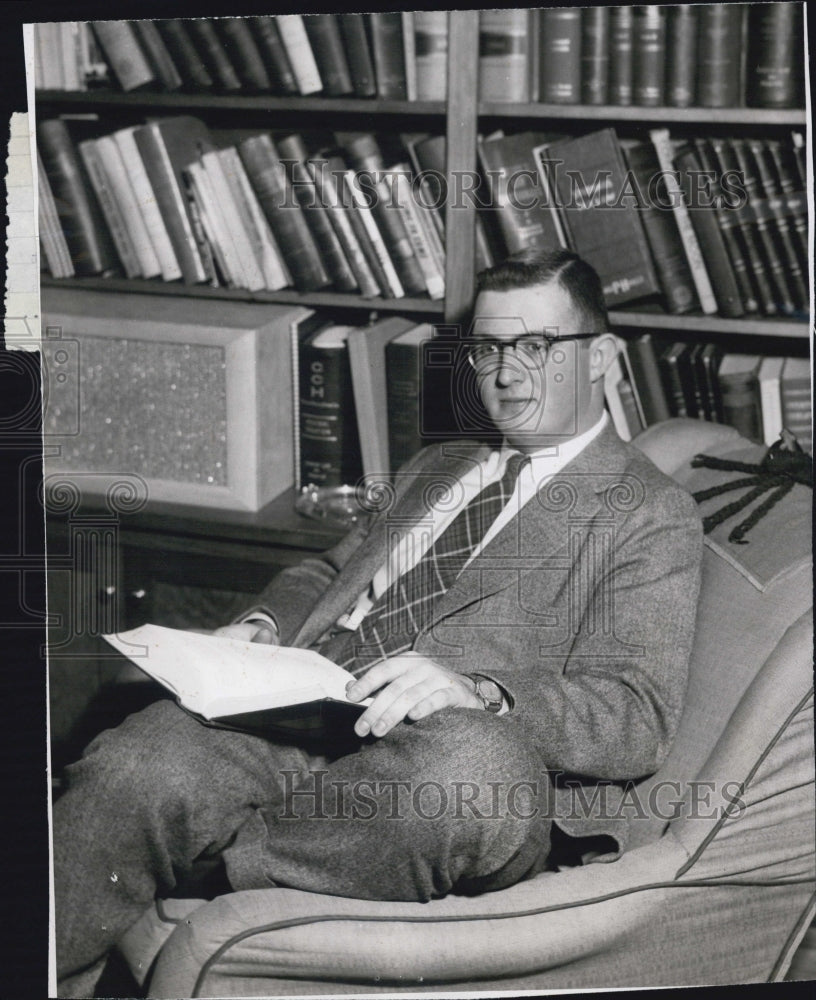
518 613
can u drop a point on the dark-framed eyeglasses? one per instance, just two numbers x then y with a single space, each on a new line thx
531 349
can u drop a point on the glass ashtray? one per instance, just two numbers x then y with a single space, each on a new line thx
335 505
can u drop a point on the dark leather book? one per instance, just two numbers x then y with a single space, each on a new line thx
612 240
365 157
720 30
158 55
770 187
80 216
674 364
649 56
123 53
681 55
504 56
747 230
167 147
660 227
774 64
385 33
329 439
194 74
243 53
595 55
757 210
643 354
281 78
739 388
283 213
795 199
209 47
560 77
706 226
708 364
516 208
327 46
729 228
293 154
404 390
621 27
697 384
358 54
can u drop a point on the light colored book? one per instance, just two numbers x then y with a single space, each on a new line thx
299 49
398 179
358 199
242 685
409 54
770 398
117 224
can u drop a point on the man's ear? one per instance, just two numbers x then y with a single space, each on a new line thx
602 352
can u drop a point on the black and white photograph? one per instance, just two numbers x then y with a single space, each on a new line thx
415 449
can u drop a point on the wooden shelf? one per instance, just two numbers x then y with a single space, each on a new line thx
745 326
662 115
319 300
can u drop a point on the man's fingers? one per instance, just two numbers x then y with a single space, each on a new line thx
392 705
374 678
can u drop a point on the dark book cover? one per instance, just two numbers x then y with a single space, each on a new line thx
517 208
621 29
747 232
698 385
194 74
504 56
774 63
80 216
209 47
681 55
330 56
157 54
243 53
403 379
720 30
560 65
281 78
358 54
795 198
329 439
739 388
643 355
283 213
707 229
708 365
729 228
674 364
660 227
293 154
588 177
385 33
595 55
649 56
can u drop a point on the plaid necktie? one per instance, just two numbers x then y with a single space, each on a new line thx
406 607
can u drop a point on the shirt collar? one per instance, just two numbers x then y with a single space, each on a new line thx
549 460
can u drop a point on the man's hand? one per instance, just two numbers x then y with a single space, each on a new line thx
410 687
249 632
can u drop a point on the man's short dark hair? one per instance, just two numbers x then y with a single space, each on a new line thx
532 267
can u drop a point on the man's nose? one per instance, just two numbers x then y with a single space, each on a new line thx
509 369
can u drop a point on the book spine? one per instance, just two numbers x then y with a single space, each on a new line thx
195 74
630 409
643 362
389 60
710 360
648 56
698 386
774 66
208 44
361 210
299 50
504 53
797 410
718 58
162 62
93 69
283 213
595 39
741 406
329 439
243 53
560 81
116 223
400 185
51 234
795 199
358 53
83 225
663 148
409 54
621 26
281 78
215 236
403 365
673 384
770 401
431 44
202 235
681 55
122 50
67 31
327 47
231 205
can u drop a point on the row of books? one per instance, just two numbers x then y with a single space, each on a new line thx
162 200
655 378
682 55
391 56
708 223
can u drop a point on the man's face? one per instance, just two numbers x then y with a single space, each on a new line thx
533 404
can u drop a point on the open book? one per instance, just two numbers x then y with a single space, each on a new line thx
243 685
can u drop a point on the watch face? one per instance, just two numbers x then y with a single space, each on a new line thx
491 692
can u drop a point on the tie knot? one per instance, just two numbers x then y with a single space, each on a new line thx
515 463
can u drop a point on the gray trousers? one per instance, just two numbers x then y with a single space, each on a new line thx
439 805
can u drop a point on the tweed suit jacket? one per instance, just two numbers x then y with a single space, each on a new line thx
582 608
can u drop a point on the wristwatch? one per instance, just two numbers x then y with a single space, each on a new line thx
489 692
